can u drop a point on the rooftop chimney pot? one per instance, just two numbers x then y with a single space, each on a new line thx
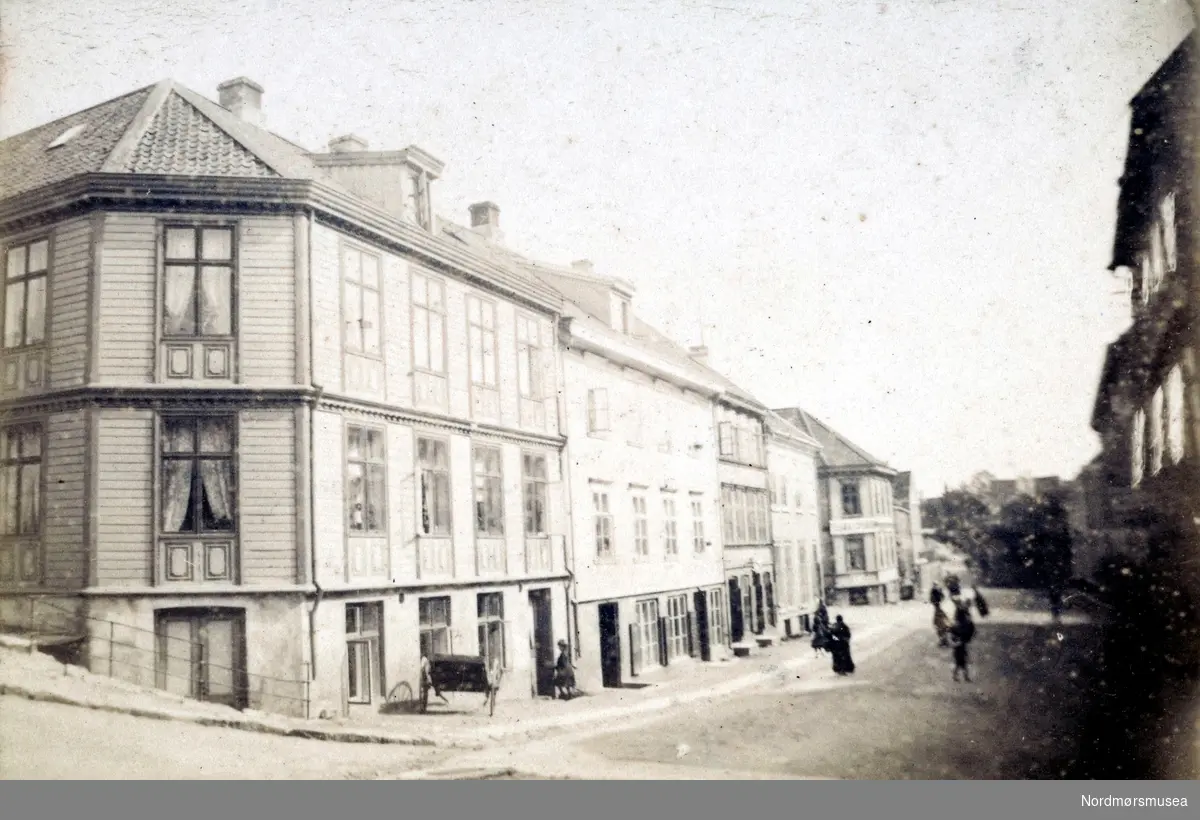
243 98
485 213
348 144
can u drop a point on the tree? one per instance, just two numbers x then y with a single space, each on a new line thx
1035 538
961 518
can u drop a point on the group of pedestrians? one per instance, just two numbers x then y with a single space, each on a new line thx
833 638
956 634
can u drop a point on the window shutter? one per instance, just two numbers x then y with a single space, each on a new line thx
635 650
662 641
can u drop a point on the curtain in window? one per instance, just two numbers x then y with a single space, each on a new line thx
217 479
9 488
31 502
179 306
216 296
35 311
177 493
14 306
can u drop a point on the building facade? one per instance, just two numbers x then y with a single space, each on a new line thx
860 549
270 433
795 523
1148 403
906 511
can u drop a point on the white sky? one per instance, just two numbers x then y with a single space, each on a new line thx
895 214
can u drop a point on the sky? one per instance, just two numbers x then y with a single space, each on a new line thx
897 215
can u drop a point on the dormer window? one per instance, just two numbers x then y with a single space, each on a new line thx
416 200
68 135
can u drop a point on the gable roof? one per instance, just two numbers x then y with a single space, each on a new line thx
836 449
167 129
777 424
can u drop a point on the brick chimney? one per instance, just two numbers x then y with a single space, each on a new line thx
349 144
243 98
485 221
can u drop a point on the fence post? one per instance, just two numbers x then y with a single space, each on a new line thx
110 648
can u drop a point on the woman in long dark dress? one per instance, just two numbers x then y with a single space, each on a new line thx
820 640
843 662
961 634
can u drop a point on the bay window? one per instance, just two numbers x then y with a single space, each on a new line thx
26 267
197 475
198 276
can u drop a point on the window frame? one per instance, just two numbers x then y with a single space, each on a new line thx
441 312
861 548
641 524
670 526
699 543
426 515
493 482
17 545
25 278
417 200
366 463
197 490
346 249
489 626
598 411
428 629
372 641
540 495
851 490
197 264
480 374
602 519
678 634
530 353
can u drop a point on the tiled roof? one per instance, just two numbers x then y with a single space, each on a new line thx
181 140
836 449
26 161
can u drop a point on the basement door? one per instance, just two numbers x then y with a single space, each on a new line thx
201 654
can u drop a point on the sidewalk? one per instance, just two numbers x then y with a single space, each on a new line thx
465 724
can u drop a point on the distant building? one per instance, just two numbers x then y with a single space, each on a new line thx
906 511
860 549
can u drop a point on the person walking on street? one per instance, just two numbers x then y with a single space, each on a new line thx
941 624
564 673
936 596
820 641
961 634
843 662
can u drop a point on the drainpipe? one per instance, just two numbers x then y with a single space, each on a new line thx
564 460
312 548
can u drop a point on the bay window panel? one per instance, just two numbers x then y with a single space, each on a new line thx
370 329
31 503
10 486
16 262
35 310
181 243
421 339
216 301
352 315
179 300
14 310
437 346
216 244
176 494
216 477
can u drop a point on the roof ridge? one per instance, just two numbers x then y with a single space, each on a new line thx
860 452
118 158
200 102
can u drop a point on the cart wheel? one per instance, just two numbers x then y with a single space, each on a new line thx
401 696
